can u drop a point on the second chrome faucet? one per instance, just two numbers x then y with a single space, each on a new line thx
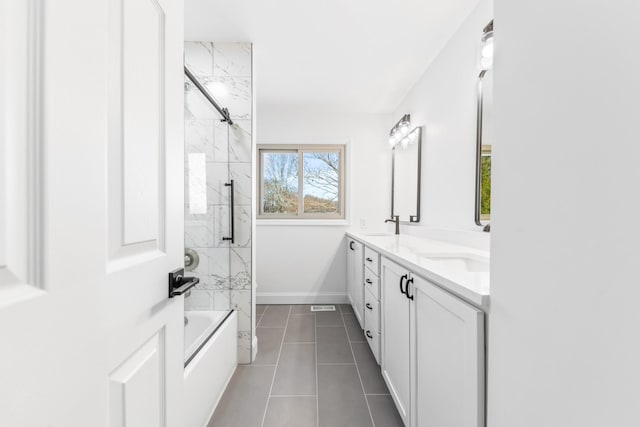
396 220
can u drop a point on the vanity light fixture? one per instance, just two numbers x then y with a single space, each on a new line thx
486 47
400 134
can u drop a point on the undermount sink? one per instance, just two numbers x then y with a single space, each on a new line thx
381 234
457 262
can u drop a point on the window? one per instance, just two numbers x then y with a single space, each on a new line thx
301 181
485 183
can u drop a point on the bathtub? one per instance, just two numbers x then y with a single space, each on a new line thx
211 357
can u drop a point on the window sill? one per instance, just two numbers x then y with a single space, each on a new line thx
302 222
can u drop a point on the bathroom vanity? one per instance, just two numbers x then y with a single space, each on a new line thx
423 305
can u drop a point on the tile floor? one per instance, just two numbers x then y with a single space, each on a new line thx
312 369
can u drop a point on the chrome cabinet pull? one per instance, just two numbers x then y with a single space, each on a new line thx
368 334
369 306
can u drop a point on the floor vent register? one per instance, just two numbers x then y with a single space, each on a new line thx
323 308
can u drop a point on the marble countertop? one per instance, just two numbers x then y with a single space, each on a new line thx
413 253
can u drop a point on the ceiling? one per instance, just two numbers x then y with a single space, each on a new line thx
339 55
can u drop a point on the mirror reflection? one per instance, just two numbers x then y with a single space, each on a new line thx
405 179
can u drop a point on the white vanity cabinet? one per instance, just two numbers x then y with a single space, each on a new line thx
432 351
355 278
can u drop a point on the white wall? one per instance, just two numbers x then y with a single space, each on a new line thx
444 101
297 263
565 317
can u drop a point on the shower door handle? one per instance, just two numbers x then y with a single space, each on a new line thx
231 215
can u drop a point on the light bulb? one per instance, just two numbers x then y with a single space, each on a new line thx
404 129
487 50
486 63
412 136
404 142
392 141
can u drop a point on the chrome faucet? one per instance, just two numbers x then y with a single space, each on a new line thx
396 219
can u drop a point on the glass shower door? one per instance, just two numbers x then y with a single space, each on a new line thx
207 215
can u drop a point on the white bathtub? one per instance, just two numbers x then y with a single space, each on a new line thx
210 361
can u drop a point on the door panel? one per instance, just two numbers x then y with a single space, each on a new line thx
84 313
145 191
449 337
396 361
20 151
136 387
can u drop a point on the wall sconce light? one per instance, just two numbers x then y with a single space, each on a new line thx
400 134
486 47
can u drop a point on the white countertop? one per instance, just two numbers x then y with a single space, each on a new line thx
409 251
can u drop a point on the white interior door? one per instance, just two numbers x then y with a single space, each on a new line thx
91 212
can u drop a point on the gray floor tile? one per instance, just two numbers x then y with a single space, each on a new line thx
353 328
384 411
301 328
296 371
340 398
269 342
345 308
299 411
301 309
275 316
369 370
244 401
333 345
329 318
260 308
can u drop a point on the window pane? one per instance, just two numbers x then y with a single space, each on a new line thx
280 183
321 184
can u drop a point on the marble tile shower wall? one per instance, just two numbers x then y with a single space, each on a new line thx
224 270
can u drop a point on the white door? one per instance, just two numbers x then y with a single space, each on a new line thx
449 373
91 212
396 361
355 279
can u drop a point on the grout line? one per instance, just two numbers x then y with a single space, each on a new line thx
377 394
336 364
275 371
271 327
293 395
315 333
261 316
358 371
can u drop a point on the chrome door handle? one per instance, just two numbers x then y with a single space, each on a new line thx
369 306
368 334
369 281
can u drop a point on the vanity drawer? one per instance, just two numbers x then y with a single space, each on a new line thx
371 313
372 260
373 338
372 283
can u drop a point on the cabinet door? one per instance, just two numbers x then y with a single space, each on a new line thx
396 366
355 278
449 362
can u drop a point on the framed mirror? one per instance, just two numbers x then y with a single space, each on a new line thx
405 176
484 131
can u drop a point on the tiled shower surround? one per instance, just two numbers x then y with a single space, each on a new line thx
224 270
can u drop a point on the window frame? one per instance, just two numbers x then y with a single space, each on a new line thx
300 150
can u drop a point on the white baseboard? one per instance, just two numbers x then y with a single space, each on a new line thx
301 298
